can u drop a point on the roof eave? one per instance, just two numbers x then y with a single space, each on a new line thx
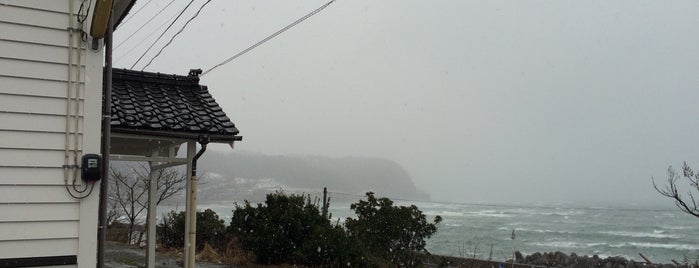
121 9
214 138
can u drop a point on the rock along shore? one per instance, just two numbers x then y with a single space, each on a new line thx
547 259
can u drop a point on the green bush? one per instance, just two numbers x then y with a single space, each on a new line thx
330 246
170 233
210 229
290 229
392 233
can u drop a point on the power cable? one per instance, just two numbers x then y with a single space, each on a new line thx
161 35
268 38
134 14
77 196
82 17
176 34
144 39
144 25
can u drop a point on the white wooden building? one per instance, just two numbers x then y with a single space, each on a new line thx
50 111
51 74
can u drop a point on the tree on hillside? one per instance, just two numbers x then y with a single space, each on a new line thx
128 193
687 203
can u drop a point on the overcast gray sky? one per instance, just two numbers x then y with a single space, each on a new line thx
481 101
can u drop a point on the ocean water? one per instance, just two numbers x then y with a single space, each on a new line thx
471 230
468 230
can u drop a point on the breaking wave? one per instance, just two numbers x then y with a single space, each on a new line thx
654 234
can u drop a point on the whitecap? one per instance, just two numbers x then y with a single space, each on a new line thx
445 213
566 244
656 245
654 234
544 231
490 213
675 227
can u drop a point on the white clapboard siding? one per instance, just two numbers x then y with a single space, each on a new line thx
31 34
33 17
31 248
31 176
38 217
53 6
38 230
38 122
37 140
35 87
38 70
36 52
33 158
34 194
38 105
39 212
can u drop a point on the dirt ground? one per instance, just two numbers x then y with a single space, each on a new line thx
118 255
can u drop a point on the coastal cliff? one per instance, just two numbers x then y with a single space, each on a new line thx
252 175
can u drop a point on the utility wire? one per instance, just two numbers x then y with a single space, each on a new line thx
117 59
176 34
161 35
143 25
268 38
134 14
82 17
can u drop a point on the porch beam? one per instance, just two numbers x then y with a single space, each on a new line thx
148 158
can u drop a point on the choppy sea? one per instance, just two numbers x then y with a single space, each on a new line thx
469 230
660 235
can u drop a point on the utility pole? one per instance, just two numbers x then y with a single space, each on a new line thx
106 129
325 202
513 248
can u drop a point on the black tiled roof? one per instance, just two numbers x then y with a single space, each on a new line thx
155 102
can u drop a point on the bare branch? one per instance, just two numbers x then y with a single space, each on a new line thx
687 205
129 195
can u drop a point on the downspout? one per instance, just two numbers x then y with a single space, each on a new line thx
191 250
106 136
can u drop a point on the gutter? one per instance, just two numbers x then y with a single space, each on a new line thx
192 234
215 138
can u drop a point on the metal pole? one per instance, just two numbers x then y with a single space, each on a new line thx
106 129
152 211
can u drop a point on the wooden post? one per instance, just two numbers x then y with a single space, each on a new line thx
646 259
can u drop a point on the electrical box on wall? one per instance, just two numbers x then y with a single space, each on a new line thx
91 167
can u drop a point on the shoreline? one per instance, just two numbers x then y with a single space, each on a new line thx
547 259
123 255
